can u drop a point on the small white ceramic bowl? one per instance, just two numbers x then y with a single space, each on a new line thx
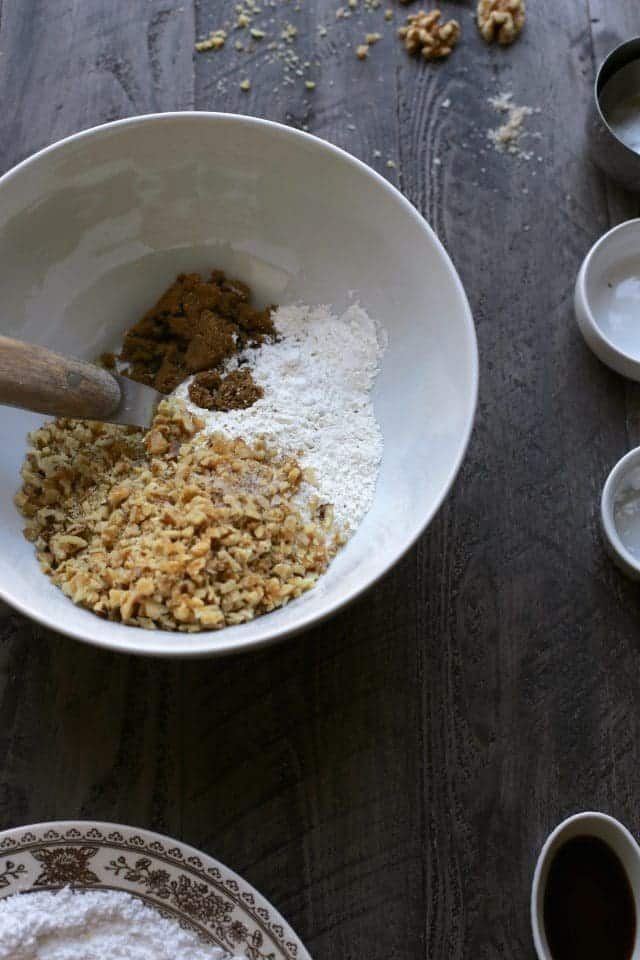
613 259
624 478
592 824
93 229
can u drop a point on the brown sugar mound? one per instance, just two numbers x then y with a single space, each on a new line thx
169 530
195 325
237 391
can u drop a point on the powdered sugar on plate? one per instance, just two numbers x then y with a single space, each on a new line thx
317 380
93 925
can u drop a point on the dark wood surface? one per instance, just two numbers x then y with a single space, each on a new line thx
388 778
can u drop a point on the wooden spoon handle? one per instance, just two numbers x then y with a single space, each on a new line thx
35 378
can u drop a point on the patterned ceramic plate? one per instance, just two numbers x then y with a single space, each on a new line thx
182 883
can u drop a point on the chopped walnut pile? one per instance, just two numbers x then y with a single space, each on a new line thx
424 34
172 530
500 20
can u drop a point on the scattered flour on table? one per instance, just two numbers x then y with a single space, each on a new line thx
317 380
508 137
95 925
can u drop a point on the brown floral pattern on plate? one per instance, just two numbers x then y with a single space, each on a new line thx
180 882
65 865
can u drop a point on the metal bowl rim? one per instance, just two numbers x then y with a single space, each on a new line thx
597 91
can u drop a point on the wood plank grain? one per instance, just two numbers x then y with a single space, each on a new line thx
308 784
85 733
353 103
66 66
530 652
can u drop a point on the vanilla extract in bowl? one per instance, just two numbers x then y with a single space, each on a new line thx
589 906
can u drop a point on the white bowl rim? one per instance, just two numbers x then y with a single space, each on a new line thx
217 643
581 291
606 508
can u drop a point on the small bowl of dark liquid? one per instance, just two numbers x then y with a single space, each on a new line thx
585 900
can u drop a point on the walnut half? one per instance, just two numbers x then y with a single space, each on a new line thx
424 34
500 20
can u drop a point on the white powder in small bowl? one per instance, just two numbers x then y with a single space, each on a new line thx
93 925
317 381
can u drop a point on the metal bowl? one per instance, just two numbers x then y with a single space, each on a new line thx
613 156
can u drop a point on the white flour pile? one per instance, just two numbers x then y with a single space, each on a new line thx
316 406
95 925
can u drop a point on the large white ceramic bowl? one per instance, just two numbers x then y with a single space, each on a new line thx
95 227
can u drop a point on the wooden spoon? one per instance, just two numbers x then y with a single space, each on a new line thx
35 378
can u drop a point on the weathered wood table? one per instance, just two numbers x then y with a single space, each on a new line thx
388 778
